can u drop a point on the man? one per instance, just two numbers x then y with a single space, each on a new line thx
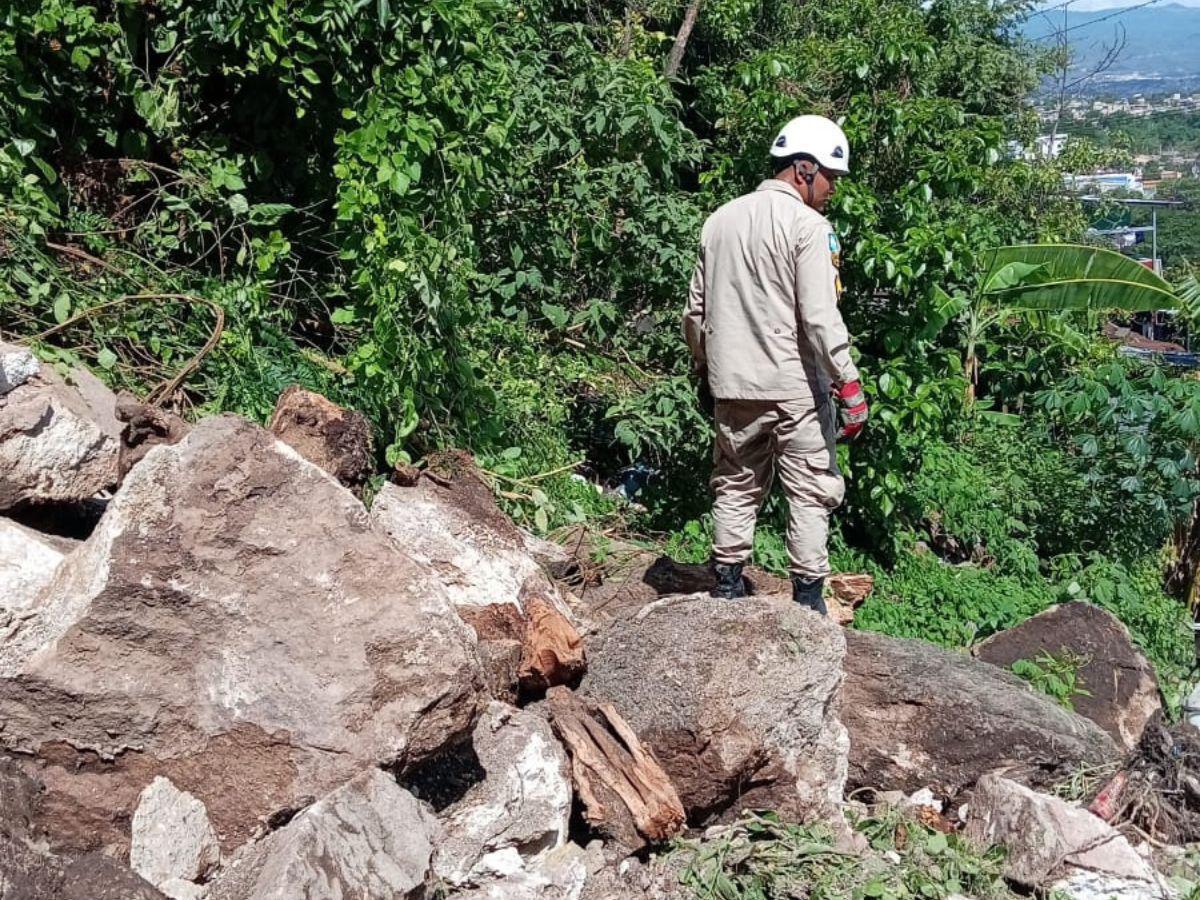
766 336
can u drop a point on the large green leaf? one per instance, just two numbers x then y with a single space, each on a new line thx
1072 276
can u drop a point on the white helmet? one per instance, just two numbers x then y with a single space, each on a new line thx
814 136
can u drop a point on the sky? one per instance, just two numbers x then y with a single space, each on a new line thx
1087 5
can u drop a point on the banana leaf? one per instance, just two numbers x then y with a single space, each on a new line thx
1071 276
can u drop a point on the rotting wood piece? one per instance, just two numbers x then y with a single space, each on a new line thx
625 792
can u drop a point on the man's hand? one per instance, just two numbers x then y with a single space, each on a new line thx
854 410
704 392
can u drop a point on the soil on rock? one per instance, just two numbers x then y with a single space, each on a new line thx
920 716
327 435
1121 691
738 701
236 626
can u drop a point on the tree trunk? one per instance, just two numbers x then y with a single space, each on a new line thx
625 792
675 58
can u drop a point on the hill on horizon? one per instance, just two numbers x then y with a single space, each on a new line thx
1161 43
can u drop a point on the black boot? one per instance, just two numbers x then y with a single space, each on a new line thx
807 592
730 584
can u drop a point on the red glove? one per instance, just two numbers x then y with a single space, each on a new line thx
854 410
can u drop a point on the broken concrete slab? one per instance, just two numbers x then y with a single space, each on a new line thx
370 839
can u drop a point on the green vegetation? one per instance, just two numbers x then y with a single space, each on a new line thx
475 222
1056 675
761 857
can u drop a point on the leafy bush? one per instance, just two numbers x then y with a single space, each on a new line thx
951 605
761 857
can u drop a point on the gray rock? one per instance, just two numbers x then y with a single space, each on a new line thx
172 839
1084 885
59 439
28 561
235 625
920 716
738 701
1046 838
519 811
17 365
1122 690
368 840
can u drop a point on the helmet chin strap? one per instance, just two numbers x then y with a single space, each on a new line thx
806 171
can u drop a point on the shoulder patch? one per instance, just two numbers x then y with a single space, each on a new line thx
834 246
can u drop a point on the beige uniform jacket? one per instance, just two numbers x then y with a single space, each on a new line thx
762 310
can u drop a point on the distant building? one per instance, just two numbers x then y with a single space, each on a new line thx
1105 182
1046 146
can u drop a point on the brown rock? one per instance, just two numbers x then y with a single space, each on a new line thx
1122 691
336 439
738 700
146 426
920 716
236 626
28 872
625 793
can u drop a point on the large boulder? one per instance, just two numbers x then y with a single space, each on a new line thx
234 624
336 439
519 811
1046 838
368 840
738 701
453 526
59 437
1121 690
920 716
28 561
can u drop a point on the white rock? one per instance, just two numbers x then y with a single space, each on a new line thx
368 840
1046 838
520 810
479 563
178 889
1085 885
17 365
172 838
924 799
27 563
58 441
560 874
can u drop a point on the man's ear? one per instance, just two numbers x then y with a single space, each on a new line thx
806 170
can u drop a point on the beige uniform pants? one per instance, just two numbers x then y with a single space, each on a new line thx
756 437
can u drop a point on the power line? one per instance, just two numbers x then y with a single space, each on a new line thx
1114 14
